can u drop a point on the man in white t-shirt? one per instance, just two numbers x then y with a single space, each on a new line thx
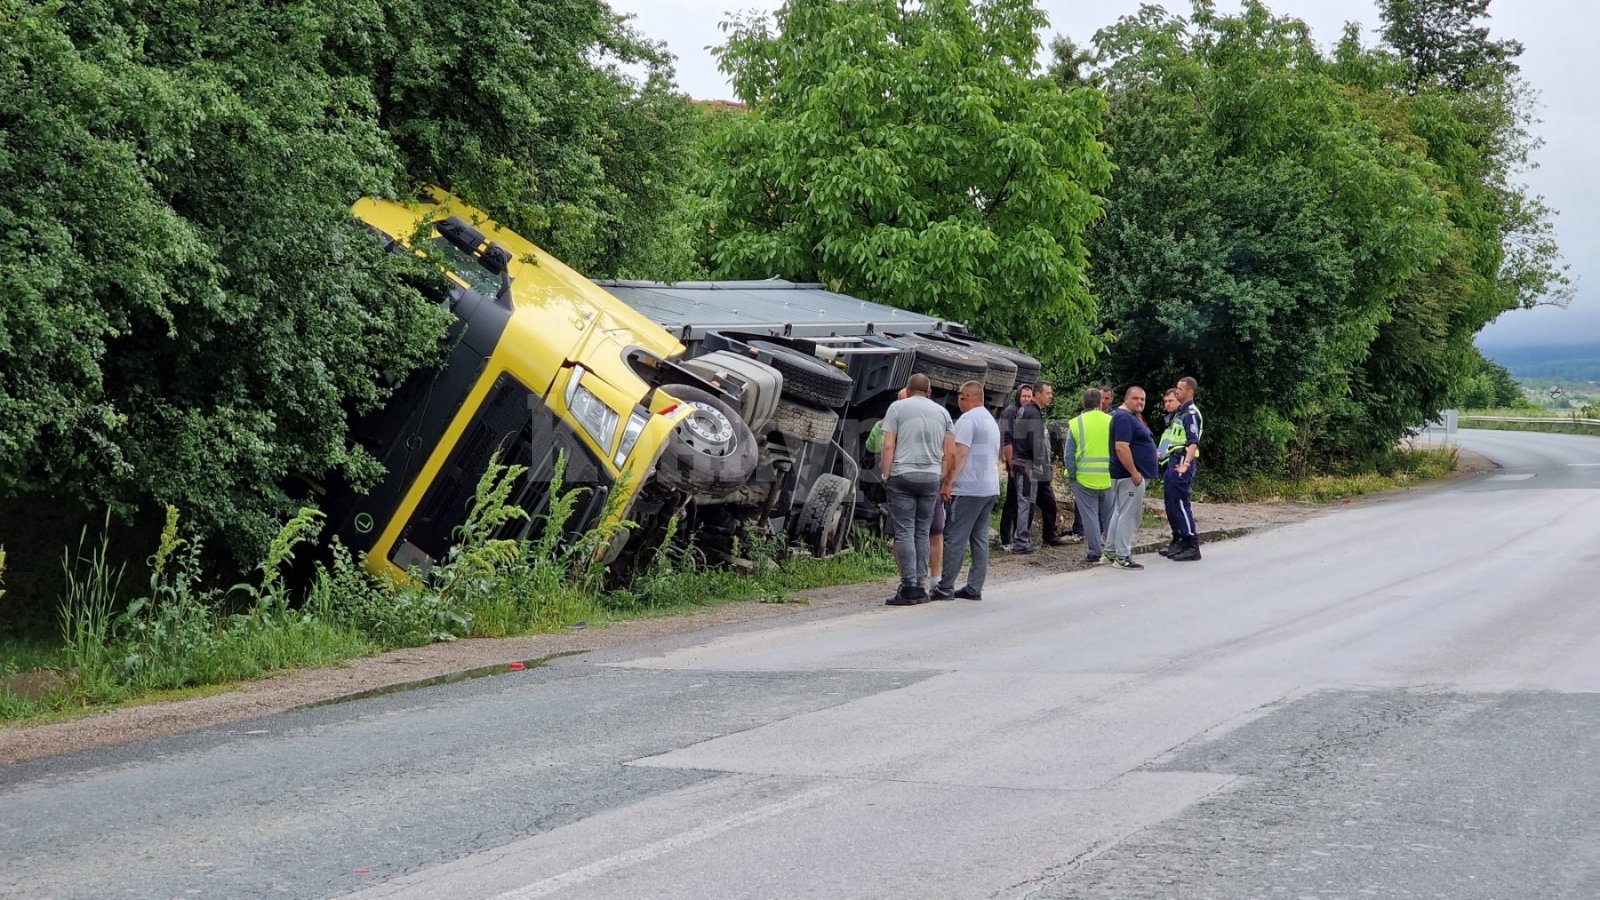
971 486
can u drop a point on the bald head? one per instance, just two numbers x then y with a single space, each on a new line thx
919 384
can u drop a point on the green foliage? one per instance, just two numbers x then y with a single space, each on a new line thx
1554 426
191 317
386 615
1443 44
1394 470
191 314
181 634
1316 239
1488 385
910 154
1264 216
93 585
528 109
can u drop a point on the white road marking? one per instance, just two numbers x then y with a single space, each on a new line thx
650 851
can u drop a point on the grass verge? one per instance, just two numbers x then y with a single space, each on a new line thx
176 633
1554 426
1404 468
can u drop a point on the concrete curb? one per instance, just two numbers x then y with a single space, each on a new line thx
1220 534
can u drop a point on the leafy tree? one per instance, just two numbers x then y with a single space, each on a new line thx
1070 64
191 312
1490 385
527 108
1444 45
1263 217
191 315
1460 95
911 154
1471 86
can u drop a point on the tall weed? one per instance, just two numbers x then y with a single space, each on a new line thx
544 583
93 584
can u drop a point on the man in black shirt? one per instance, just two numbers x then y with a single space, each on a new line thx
1008 507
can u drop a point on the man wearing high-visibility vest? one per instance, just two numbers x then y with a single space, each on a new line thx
1087 457
1182 443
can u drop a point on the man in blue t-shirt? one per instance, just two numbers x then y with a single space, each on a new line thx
1133 464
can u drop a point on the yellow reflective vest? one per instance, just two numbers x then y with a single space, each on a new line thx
1091 449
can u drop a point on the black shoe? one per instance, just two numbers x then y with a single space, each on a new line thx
940 594
967 593
1021 551
915 595
1057 542
899 600
1171 548
1189 552
1118 562
1089 559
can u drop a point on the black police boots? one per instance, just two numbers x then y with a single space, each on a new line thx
1188 551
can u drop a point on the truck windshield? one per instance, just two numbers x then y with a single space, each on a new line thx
465 267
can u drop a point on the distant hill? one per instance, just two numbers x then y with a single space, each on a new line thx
1549 362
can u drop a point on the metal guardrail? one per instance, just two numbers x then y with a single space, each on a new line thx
1548 420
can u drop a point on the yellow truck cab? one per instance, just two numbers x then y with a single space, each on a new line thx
542 365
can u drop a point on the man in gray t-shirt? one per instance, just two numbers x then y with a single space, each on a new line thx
971 484
917 435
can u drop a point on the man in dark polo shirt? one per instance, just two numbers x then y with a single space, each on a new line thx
1133 464
1008 505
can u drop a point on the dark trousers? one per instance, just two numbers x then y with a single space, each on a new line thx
1008 510
1175 491
1044 503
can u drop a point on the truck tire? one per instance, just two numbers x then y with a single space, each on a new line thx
945 363
823 525
814 426
712 453
1028 368
1003 372
806 378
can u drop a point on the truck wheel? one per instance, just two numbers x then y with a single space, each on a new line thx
945 363
807 378
814 426
1002 374
824 521
1028 368
712 453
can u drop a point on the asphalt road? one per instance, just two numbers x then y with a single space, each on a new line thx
1402 700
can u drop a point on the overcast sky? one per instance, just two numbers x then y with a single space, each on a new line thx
1562 60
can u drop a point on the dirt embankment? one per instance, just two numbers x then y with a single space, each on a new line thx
437 663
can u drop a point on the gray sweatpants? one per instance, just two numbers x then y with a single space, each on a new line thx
967 528
912 498
1126 512
1094 513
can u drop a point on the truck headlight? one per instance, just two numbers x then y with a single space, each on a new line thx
598 419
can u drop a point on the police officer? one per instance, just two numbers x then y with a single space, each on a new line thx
1180 450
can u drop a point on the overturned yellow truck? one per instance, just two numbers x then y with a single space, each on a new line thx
739 407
